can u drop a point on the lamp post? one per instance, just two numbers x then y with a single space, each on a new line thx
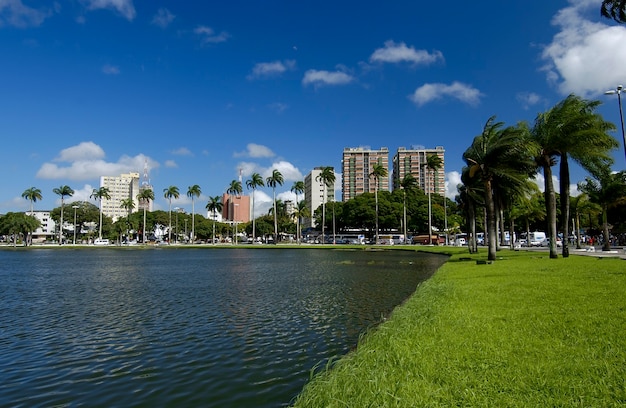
176 236
235 222
618 91
75 207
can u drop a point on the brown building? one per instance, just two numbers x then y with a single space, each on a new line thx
413 161
235 208
357 165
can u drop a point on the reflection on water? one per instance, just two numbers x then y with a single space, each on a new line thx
193 327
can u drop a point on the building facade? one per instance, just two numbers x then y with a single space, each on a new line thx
413 161
120 188
357 165
235 208
314 194
46 230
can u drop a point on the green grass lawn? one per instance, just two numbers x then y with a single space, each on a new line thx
525 331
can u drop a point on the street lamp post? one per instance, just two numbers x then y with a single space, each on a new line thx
176 236
75 207
618 91
235 221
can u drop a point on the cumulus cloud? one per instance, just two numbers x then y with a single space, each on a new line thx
208 35
110 70
85 161
15 13
583 56
255 151
182 151
170 164
457 90
319 78
397 53
270 69
528 99
288 170
163 18
453 179
124 7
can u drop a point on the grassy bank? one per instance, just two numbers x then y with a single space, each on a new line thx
526 331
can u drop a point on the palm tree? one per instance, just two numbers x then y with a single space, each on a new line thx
498 155
128 204
272 181
298 188
145 196
326 178
214 205
408 183
255 181
235 189
378 172
301 211
62 191
169 193
193 192
32 194
614 9
433 163
608 190
99 194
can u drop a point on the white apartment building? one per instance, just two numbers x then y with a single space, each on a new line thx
314 194
120 188
47 228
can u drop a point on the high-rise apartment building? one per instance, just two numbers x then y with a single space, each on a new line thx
314 194
413 161
235 208
120 188
358 163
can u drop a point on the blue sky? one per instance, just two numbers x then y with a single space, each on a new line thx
203 89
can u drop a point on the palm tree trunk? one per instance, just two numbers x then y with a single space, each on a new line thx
564 191
491 221
550 208
605 230
471 242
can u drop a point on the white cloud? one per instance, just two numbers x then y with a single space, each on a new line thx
111 69
85 162
396 53
163 18
15 13
170 164
208 35
288 170
583 56
182 151
124 7
270 69
318 78
458 90
255 151
453 179
528 99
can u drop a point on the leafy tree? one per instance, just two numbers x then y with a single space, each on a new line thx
18 223
193 192
214 205
255 181
407 183
99 194
169 193
128 204
276 179
63 191
145 196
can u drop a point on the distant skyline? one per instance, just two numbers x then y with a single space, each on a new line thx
200 90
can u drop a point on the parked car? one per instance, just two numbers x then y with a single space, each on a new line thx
546 242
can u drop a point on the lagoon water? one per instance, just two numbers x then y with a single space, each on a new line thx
210 327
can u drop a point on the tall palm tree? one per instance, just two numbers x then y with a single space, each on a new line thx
193 192
408 183
128 204
63 191
255 181
99 194
301 211
214 205
326 178
498 155
32 194
614 9
145 196
276 179
169 193
433 163
378 172
235 189
297 188
607 190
